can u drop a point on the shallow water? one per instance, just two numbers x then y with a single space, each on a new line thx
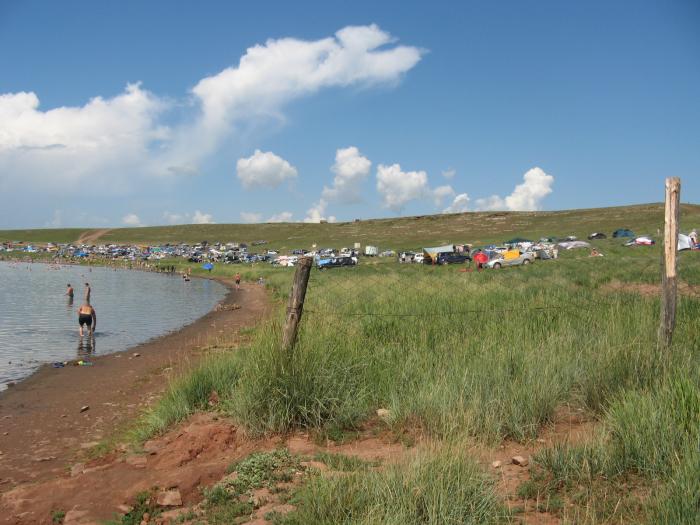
39 325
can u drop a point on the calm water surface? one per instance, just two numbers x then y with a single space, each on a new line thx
38 324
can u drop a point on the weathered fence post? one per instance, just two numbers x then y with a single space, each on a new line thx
669 284
295 307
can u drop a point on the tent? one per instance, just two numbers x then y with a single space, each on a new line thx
570 245
597 235
640 241
684 242
623 232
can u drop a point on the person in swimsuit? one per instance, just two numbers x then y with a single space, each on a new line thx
87 318
88 290
238 281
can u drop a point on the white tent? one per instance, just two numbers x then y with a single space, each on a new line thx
684 242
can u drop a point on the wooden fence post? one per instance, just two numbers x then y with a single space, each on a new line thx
295 307
669 284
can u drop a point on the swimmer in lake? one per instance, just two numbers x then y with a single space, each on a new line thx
69 291
87 318
88 291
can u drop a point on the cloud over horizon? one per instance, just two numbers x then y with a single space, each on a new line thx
116 141
527 196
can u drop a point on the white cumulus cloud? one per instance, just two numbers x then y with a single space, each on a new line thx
188 218
264 170
131 219
115 141
526 196
101 140
250 217
460 204
441 193
285 216
317 213
351 169
397 187
202 218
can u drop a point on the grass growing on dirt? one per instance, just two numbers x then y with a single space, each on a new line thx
439 486
486 356
649 437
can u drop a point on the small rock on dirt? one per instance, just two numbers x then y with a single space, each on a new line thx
85 408
383 413
496 464
152 446
213 398
169 498
75 517
136 461
520 461
137 354
77 469
124 508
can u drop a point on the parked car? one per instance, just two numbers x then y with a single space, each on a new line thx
453 258
501 262
336 262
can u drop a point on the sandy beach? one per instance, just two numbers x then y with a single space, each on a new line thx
56 416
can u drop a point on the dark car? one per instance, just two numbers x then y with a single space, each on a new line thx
335 262
453 258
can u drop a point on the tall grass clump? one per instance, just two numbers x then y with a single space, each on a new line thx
649 438
438 487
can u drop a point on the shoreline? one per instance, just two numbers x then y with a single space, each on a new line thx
45 422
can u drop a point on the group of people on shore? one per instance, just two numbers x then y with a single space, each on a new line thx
87 317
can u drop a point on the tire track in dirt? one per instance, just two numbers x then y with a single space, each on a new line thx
91 236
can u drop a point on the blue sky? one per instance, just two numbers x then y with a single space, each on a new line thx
395 108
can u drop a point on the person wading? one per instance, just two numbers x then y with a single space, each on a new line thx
87 318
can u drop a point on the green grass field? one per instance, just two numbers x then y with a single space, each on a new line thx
396 233
465 357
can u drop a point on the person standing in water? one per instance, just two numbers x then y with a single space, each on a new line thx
69 291
87 318
88 290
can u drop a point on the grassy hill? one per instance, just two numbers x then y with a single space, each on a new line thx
396 233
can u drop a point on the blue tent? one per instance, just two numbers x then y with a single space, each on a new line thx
623 232
208 266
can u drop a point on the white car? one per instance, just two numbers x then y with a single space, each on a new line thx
500 262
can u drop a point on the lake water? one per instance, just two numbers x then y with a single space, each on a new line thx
38 324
